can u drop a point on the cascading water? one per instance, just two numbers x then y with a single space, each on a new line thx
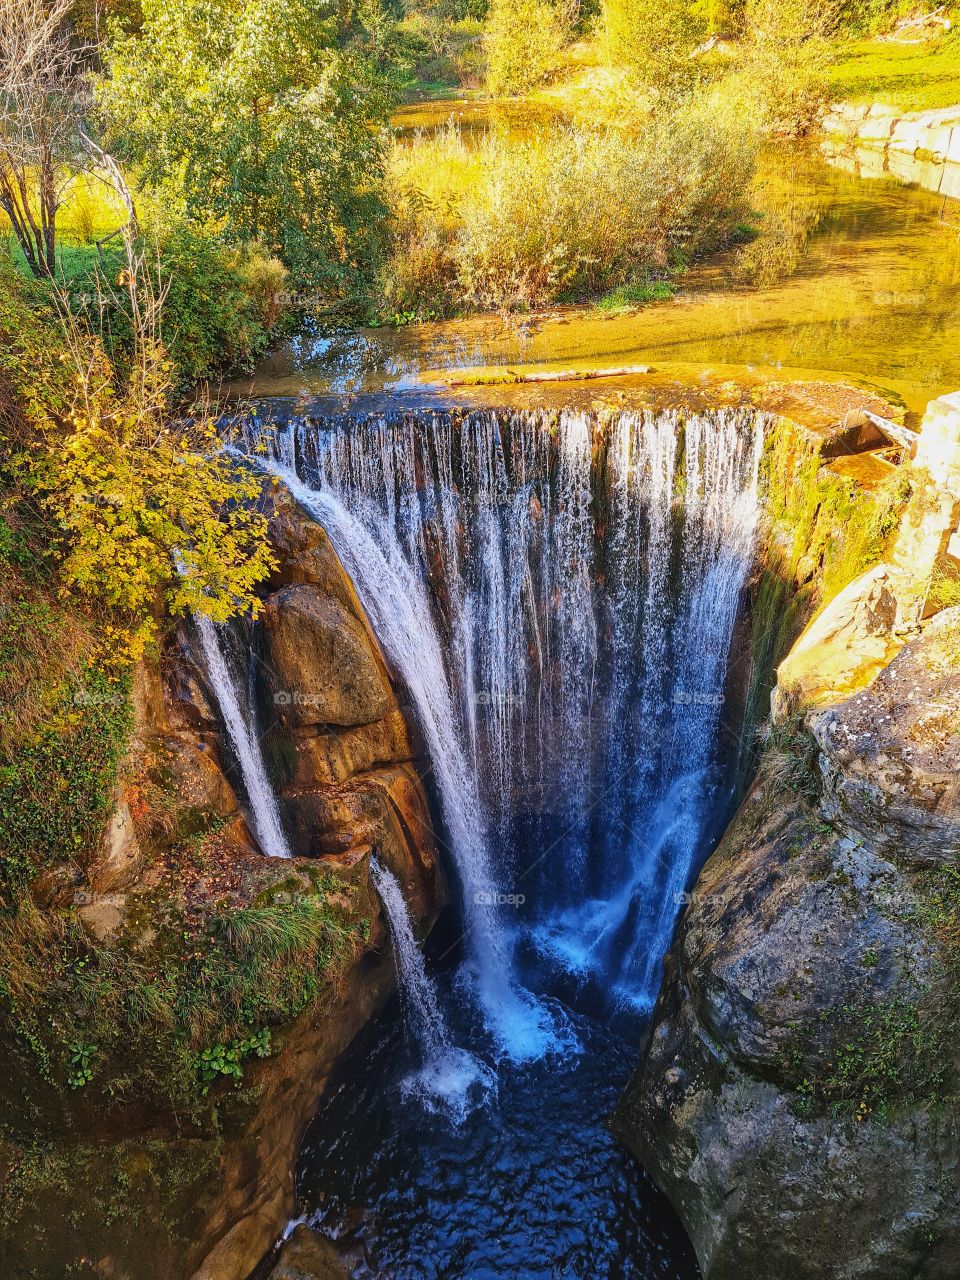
264 814
419 995
559 596
448 1077
397 601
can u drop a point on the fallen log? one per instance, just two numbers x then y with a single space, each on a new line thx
509 377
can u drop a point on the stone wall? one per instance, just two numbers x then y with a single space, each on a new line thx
920 147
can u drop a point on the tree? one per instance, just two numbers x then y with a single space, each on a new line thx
40 83
524 41
655 39
151 509
788 50
263 118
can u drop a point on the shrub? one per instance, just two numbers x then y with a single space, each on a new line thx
221 303
525 39
144 509
518 222
788 51
655 40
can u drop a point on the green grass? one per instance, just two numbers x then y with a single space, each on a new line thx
627 296
910 77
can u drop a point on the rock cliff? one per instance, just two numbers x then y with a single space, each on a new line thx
272 965
797 1087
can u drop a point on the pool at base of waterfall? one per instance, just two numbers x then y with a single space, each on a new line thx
529 1183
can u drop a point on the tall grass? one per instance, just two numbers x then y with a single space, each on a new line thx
501 221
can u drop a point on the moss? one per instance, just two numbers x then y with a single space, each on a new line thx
143 1197
901 1051
57 787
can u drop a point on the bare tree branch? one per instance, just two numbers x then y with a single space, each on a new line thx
41 87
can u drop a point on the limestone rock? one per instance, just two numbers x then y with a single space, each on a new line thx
843 648
307 1256
196 775
807 951
890 755
120 857
319 665
326 758
772 940
104 916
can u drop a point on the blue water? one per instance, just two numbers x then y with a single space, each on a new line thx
530 1184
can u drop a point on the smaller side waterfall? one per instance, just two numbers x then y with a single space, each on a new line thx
417 992
264 815
450 1079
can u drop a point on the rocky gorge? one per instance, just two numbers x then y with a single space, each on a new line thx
804 1045
208 1193
803 1036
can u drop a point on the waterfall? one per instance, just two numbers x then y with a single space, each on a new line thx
390 582
264 815
449 1078
558 593
417 991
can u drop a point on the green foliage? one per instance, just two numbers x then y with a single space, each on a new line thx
626 296
945 589
525 39
57 784
868 16
264 118
518 222
824 519
791 755
900 1052
81 1064
654 39
917 77
228 1059
888 1055
164 1008
788 51
221 303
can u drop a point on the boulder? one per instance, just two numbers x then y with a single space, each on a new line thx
846 644
324 758
319 667
120 857
307 1256
890 755
803 1043
798 942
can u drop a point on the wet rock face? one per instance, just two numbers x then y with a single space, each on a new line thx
317 663
793 1094
342 763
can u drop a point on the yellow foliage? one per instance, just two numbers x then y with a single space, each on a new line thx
152 510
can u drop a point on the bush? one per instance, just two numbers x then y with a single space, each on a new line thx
566 213
143 508
525 39
788 52
221 305
654 39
